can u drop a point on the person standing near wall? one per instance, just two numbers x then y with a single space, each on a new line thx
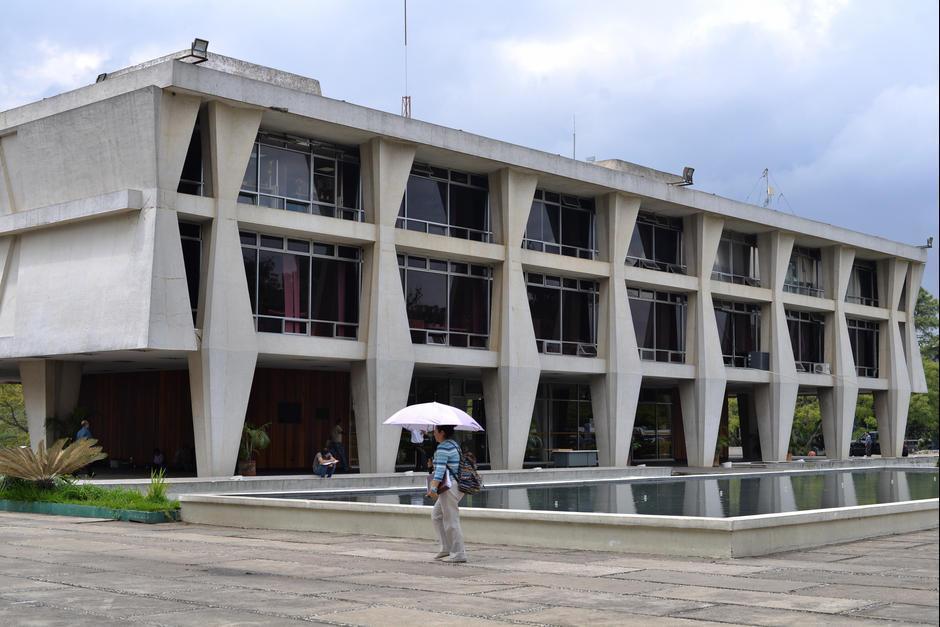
446 496
336 438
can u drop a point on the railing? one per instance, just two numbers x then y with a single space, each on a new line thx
306 326
861 300
436 337
662 355
662 266
301 206
436 228
867 371
559 249
739 279
813 367
807 289
579 349
187 186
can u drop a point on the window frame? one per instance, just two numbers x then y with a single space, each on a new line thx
350 330
435 337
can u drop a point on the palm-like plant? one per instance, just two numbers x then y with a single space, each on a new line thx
44 466
254 439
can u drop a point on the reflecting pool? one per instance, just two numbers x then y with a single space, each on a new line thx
719 497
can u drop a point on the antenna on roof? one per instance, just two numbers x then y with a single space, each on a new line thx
574 136
406 99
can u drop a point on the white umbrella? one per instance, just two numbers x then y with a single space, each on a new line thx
425 415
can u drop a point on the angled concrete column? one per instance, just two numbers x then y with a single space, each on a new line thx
614 395
837 404
509 391
915 366
775 402
891 405
380 384
50 390
702 398
221 371
175 123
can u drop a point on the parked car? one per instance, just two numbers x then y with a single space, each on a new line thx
857 448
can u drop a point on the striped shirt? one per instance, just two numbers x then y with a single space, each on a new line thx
447 455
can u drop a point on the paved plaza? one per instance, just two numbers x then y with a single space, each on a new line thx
71 571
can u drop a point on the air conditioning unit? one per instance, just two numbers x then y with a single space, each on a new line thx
758 360
821 369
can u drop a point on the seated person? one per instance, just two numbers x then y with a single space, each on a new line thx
324 464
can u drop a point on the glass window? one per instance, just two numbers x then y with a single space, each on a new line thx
564 314
468 305
807 340
659 324
465 207
738 330
803 272
864 338
445 202
656 243
427 200
191 179
863 286
282 169
448 304
545 305
191 241
297 286
561 225
737 259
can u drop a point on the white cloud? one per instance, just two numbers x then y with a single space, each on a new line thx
48 68
623 41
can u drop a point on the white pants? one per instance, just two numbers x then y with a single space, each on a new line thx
446 519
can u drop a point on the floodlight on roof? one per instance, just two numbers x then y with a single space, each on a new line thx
198 52
102 77
687 172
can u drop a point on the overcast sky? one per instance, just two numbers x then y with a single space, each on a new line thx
838 99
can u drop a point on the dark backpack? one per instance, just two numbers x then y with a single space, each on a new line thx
469 480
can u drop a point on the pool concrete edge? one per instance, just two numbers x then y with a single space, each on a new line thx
662 535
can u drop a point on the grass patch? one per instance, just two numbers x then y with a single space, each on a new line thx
74 494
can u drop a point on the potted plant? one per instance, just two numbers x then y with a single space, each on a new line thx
253 439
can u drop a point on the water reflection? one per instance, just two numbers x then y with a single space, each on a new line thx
718 497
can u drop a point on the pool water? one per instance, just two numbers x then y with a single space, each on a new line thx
719 497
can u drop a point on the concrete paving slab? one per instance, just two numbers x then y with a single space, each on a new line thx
825 605
95 601
419 582
256 577
558 568
907 612
387 615
572 582
884 580
874 594
28 614
579 616
597 600
274 583
281 604
466 605
782 618
716 581
213 616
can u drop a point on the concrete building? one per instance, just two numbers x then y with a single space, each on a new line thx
183 245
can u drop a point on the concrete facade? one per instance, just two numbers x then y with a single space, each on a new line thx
92 274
